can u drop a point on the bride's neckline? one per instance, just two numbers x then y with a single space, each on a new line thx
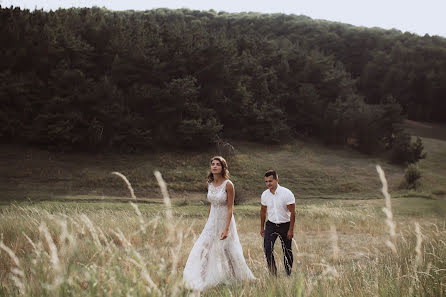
212 183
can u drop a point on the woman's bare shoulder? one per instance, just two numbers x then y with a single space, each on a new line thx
229 184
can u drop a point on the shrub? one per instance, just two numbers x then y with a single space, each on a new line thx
404 151
412 176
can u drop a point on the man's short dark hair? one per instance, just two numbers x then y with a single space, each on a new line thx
271 172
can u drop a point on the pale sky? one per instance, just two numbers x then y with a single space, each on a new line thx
415 16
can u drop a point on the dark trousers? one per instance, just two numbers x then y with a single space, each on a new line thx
272 231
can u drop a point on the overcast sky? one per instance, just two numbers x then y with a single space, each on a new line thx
416 16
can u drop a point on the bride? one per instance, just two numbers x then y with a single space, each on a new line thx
217 255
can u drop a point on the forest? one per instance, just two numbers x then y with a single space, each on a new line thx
91 79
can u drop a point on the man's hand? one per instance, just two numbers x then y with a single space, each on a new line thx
292 210
263 209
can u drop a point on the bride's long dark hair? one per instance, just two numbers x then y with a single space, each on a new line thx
224 169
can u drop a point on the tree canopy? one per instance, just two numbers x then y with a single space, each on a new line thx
97 79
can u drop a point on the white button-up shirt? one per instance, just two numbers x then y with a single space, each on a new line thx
276 204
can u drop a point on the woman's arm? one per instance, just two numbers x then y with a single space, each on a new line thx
209 211
230 191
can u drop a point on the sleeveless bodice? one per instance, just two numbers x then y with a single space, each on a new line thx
217 196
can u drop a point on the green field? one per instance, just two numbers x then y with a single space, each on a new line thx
68 228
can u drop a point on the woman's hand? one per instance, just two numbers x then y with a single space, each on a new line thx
224 234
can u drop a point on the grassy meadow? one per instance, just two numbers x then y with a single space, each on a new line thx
70 228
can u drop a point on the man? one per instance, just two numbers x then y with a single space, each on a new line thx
280 204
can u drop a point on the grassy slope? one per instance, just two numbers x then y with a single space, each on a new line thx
308 169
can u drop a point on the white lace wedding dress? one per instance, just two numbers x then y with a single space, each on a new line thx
213 261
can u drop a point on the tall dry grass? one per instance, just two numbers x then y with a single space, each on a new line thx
55 254
141 251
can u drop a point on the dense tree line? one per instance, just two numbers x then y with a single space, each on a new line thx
98 79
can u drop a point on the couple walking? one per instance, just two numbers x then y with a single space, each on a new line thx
217 255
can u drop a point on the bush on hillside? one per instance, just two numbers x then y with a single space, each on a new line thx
412 176
404 151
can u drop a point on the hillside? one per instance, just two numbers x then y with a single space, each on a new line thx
310 169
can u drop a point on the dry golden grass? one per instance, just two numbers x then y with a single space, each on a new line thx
130 249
